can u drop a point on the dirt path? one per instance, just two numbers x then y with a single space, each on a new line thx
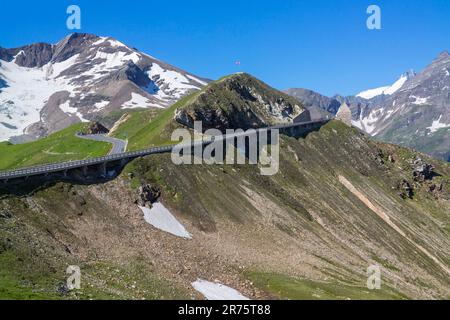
388 220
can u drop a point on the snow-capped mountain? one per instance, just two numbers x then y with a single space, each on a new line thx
388 90
45 87
417 115
414 111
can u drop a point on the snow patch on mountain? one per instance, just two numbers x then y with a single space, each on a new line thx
419 100
101 105
27 91
161 218
111 61
174 82
138 101
368 124
196 80
217 291
65 107
388 90
437 125
97 72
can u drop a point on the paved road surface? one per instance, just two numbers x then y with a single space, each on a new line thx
119 146
117 152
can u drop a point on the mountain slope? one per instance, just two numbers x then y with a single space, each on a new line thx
340 203
413 112
57 147
236 101
310 98
45 88
302 233
417 115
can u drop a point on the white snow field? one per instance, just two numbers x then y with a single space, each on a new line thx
437 125
161 218
139 101
27 91
217 291
368 124
389 90
174 81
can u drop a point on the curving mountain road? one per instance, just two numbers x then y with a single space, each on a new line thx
117 153
118 146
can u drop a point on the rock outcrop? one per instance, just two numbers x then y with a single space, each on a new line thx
147 195
96 128
239 101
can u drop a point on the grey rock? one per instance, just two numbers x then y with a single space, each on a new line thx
310 98
147 195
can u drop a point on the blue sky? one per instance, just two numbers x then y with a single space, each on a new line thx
322 45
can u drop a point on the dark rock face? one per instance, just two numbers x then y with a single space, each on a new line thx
35 55
406 189
3 84
97 128
147 195
239 101
310 98
133 73
71 45
5 214
423 171
7 54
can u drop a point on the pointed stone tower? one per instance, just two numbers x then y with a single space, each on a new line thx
344 114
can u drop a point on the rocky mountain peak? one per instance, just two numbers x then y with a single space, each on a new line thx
34 55
45 87
71 45
409 74
444 55
239 101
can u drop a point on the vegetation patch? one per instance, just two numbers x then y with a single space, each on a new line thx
60 146
285 287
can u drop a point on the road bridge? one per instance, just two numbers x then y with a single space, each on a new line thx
116 158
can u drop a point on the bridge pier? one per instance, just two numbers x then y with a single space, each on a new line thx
84 169
103 169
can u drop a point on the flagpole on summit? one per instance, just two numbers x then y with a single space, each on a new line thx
238 64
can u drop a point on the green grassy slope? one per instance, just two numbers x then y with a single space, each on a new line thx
285 287
157 131
35 253
299 234
133 121
148 128
281 225
60 146
231 99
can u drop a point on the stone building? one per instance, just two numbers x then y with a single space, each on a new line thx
344 114
312 114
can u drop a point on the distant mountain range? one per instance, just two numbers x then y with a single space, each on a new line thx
47 87
414 111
